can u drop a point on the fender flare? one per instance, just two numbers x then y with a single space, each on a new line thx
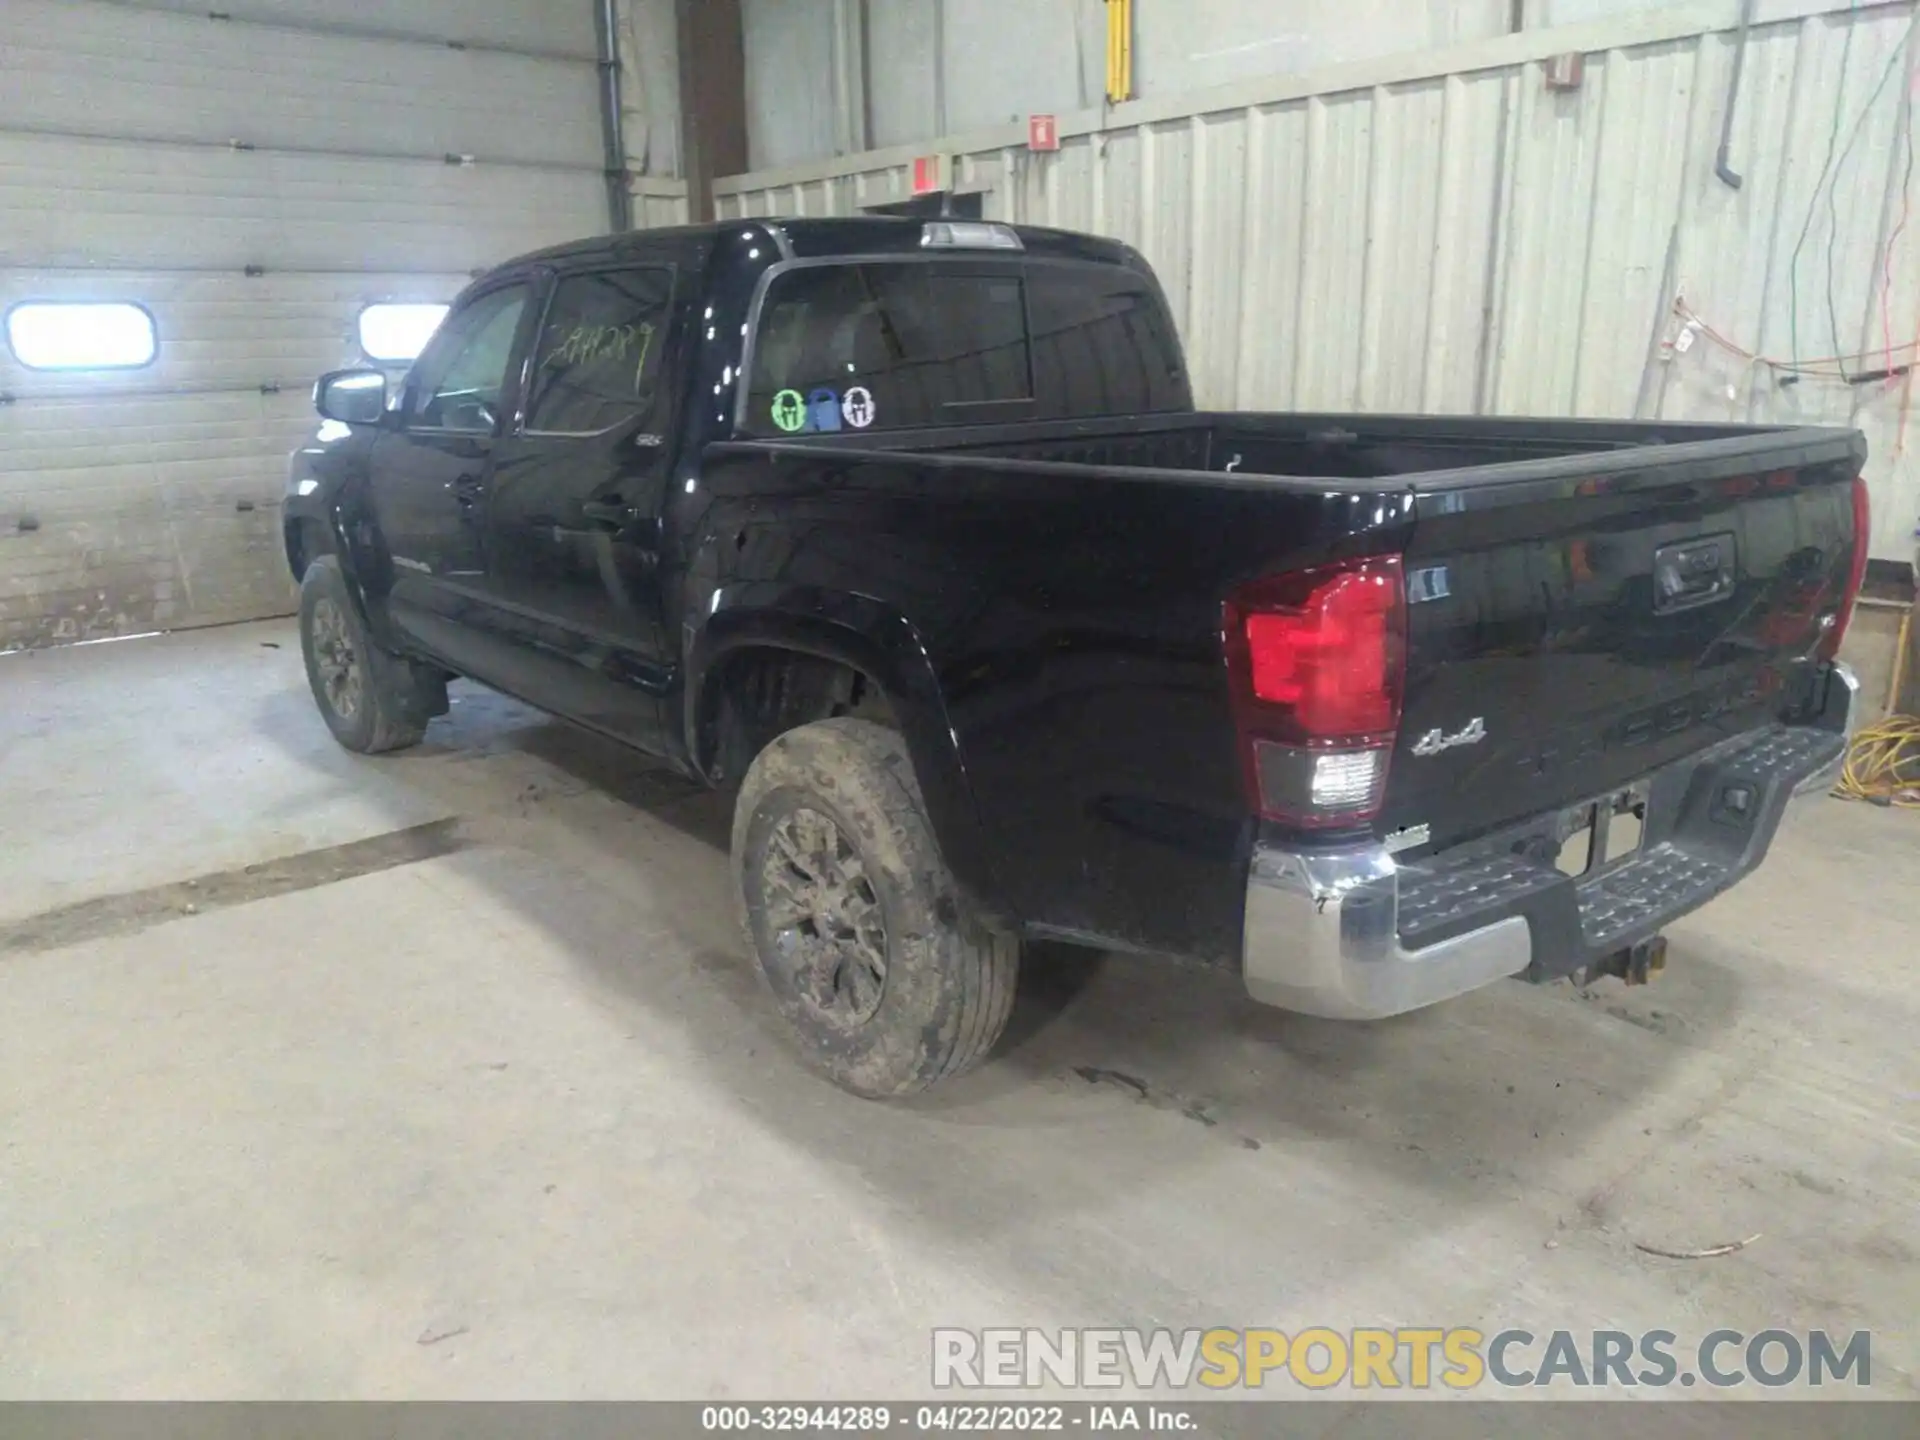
871 637
364 563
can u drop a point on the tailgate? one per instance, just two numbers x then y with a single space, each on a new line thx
1575 623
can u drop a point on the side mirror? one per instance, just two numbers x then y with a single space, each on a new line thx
352 397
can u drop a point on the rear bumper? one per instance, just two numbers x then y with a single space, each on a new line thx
1354 933
1842 716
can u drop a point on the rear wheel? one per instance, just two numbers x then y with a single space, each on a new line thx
371 700
889 977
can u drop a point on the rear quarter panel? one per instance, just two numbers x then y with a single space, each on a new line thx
1071 621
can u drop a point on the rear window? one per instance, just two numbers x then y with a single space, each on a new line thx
1102 344
849 347
897 345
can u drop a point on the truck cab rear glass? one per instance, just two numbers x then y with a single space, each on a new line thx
891 345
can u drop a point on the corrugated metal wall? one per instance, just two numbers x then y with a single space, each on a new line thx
1445 232
153 153
648 34
935 67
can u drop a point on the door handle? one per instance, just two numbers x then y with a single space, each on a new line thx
468 491
609 512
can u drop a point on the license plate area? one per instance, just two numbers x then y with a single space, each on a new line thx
1603 834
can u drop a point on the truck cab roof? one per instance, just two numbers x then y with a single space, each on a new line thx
818 238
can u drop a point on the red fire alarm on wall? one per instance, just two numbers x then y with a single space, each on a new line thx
929 174
1043 132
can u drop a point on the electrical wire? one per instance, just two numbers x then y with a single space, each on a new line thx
1906 396
1895 60
1886 261
1828 169
1883 764
1813 200
1827 367
1906 195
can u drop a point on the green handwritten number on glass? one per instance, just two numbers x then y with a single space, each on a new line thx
789 410
645 332
612 344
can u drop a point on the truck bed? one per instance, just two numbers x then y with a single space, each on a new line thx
1069 581
1427 452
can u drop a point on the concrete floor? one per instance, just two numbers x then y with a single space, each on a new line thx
512 1119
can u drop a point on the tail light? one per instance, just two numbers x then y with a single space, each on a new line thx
1829 647
1317 660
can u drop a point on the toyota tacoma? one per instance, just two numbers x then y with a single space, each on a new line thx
909 535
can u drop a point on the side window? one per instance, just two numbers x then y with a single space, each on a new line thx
598 361
1102 344
890 346
459 381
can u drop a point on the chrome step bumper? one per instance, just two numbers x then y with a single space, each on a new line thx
1351 933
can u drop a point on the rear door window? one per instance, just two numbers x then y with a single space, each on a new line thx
598 359
889 346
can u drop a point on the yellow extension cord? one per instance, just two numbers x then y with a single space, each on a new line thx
1883 760
1883 764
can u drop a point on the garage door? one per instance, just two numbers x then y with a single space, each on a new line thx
229 191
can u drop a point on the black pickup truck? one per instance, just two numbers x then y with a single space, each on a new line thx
909 532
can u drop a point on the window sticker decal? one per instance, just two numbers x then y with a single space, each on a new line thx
823 409
857 406
789 411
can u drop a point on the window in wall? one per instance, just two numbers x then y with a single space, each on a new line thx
598 362
86 335
395 334
853 346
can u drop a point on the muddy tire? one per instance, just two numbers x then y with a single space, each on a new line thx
891 980
372 700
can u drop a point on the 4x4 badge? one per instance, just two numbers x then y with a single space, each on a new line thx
1434 741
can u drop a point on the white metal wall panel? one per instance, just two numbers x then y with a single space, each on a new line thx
944 66
554 26
218 330
92 69
164 517
790 97
101 202
658 203
151 153
1737 264
1217 224
649 45
150 498
902 91
1006 59
1277 220
1443 232
1550 217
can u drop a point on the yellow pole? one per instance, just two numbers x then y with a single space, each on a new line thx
1119 51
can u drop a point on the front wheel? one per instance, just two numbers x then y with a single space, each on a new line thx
889 977
371 700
